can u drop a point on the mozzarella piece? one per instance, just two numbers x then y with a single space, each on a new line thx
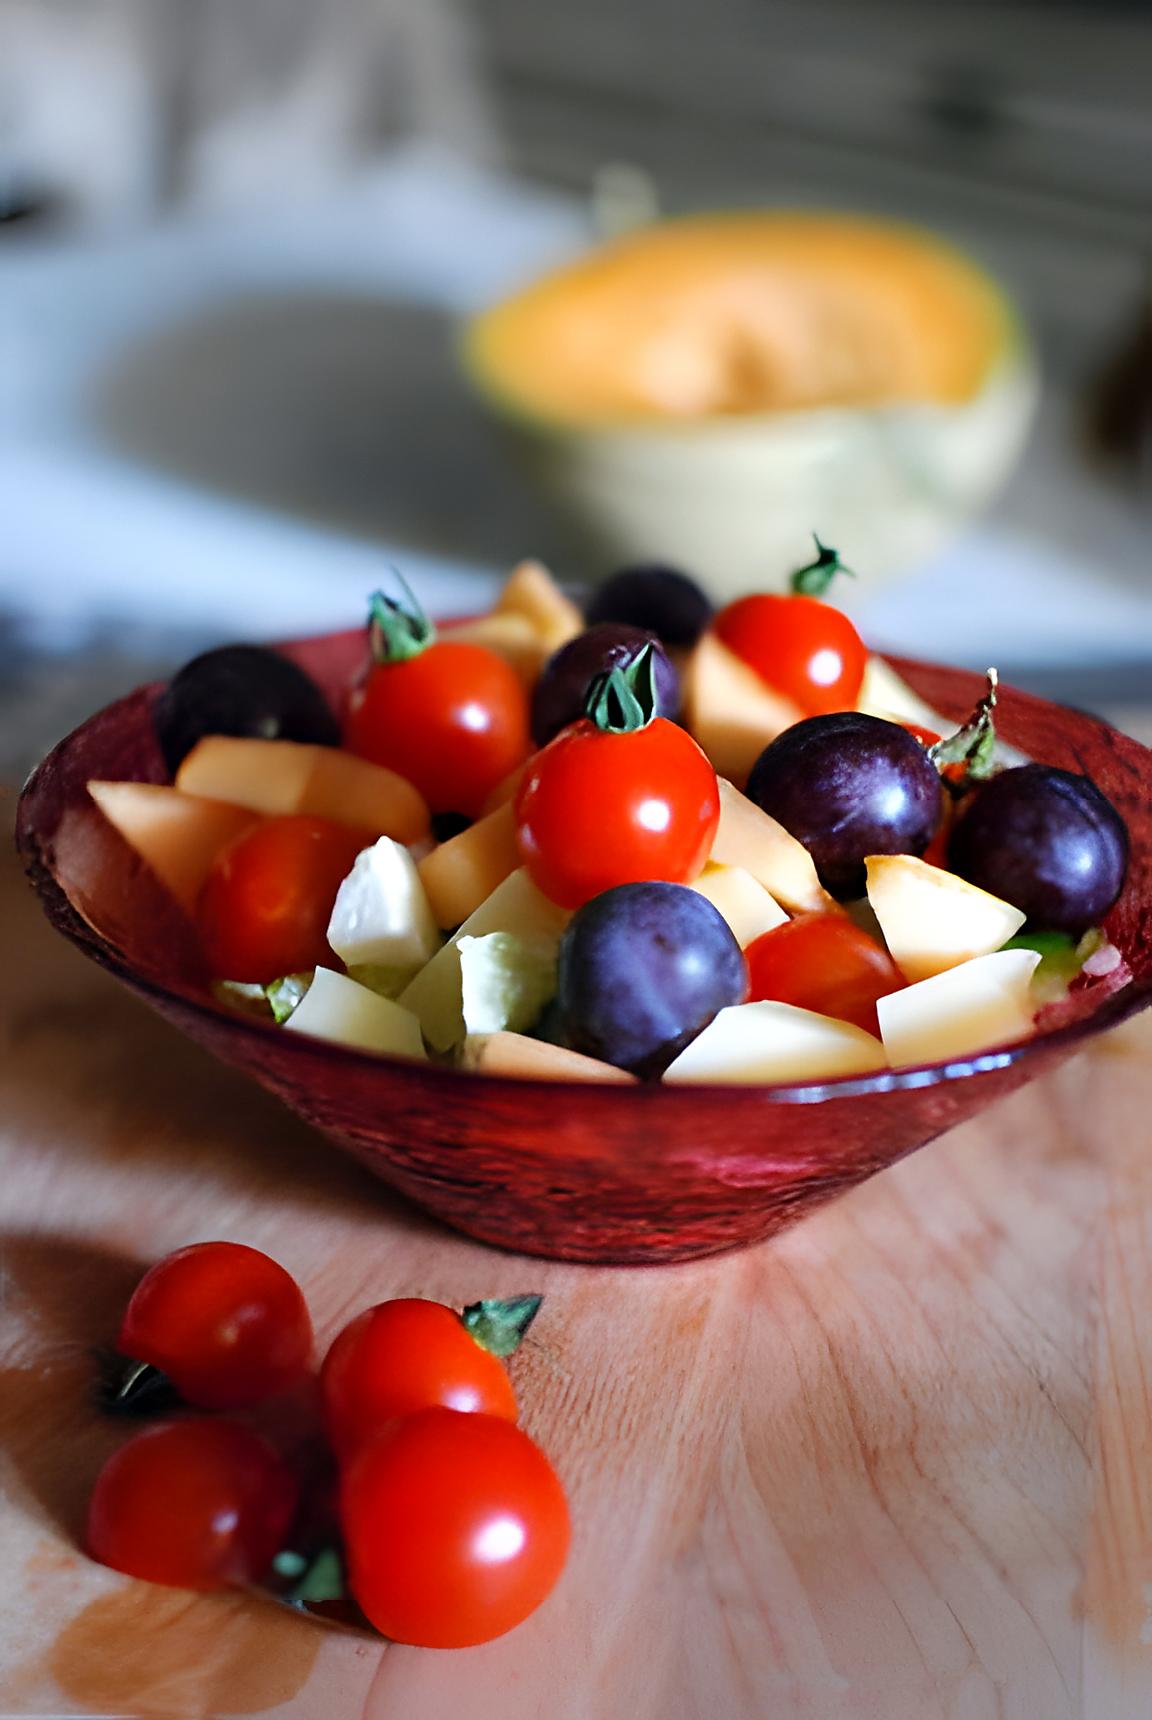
382 917
982 1003
753 1042
743 902
932 920
336 1008
515 906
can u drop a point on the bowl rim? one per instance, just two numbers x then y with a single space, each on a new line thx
1116 1007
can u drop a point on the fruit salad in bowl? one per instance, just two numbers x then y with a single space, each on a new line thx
624 935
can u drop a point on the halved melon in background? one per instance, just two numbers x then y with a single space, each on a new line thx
707 391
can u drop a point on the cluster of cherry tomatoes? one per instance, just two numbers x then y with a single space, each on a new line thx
451 1523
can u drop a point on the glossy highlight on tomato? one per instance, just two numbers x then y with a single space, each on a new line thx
265 908
596 809
455 1527
453 719
826 963
194 1504
226 1324
804 648
402 1356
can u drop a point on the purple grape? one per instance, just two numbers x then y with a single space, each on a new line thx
1046 841
643 970
241 690
847 785
660 599
564 681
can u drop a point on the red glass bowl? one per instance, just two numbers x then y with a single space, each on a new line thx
593 1173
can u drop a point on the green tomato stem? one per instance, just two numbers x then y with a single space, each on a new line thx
622 701
398 628
498 1326
814 578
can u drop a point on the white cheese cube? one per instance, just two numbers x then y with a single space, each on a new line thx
505 981
336 1008
381 917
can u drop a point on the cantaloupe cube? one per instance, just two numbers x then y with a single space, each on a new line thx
334 1007
884 693
504 791
752 1042
749 838
530 591
460 873
279 777
981 1003
516 906
730 710
177 835
512 636
742 900
932 920
533 1060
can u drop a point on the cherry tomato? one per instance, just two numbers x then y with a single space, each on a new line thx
455 1527
822 962
196 1504
225 1323
265 908
806 649
596 809
453 720
403 1356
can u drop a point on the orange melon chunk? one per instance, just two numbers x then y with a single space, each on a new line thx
749 838
732 713
463 872
532 593
534 1060
280 777
177 835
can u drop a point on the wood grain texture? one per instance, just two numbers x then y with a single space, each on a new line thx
897 1463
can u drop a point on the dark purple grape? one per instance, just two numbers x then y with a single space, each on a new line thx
564 681
241 690
660 599
1046 841
847 785
643 970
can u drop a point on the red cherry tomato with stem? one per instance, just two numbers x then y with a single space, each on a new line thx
195 1504
225 1323
450 716
455 1528
804 648
265 907
410 1354
823 962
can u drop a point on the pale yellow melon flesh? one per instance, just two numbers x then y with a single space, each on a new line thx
732 713
283 777
970 1008
178 835
505 791
741 900
533 1059
509 635
462 872
749 838
753 1042
884 693
532 593
932 920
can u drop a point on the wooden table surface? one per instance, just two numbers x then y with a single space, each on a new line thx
897 1463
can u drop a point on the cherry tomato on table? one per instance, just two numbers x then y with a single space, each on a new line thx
822 962
455 1528
265 907
450 716
195 1504
406 1355
226 1324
